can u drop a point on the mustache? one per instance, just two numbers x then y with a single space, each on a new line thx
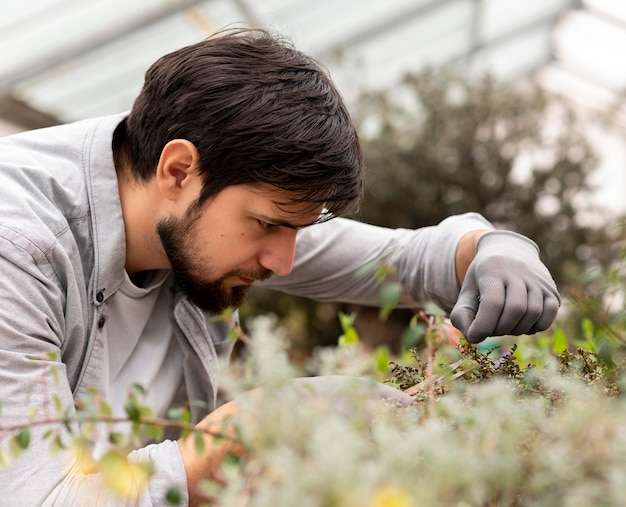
258 274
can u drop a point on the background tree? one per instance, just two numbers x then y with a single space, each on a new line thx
442 144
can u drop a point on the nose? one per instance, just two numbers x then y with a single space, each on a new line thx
279 252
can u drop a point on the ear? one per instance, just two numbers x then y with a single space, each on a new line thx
177 172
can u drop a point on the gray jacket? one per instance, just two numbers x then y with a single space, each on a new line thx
62 255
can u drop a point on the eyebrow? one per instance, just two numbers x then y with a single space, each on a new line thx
283 223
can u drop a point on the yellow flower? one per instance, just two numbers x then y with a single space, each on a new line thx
387 496
126 478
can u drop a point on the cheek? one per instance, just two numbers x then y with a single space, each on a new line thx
232 248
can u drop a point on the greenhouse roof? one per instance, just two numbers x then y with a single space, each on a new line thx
64 60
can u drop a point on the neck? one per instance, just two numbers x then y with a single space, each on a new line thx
144 251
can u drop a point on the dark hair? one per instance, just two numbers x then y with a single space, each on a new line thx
258 111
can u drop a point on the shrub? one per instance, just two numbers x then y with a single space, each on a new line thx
501 435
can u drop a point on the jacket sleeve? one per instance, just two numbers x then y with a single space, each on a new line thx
330 258
35 392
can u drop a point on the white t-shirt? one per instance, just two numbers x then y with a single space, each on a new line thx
140 343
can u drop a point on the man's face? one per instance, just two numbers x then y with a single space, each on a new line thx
239 236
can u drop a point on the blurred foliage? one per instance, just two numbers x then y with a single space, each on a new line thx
593 309
525 421
441 144
535 424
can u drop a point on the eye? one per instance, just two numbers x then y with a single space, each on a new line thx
265 225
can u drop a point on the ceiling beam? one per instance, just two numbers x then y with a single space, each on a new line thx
122 30
23 115
389 24
548 21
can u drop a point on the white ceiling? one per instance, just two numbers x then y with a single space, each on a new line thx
71 59
65 60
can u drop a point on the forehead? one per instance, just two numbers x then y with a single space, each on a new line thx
288 204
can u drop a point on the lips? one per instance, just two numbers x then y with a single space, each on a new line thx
248 277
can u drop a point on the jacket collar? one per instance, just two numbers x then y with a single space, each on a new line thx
106 210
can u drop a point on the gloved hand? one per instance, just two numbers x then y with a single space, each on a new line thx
507 290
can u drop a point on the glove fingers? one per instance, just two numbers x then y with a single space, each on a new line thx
490 306
524 311
541 310
502 307
462 317
551 304
516 309
533 313
464 312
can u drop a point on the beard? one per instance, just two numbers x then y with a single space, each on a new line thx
211 295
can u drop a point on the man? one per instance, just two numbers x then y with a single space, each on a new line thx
121 236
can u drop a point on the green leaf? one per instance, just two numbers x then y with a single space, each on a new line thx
238 430
381 360
53 356
32 412
226 422
174 413
367 269
222 316
4 459
381 273
139 389
145 412
154 432
349 337
587 328
56 446
15 447
117 438
67 422
389 296
231 459
413 335
132 409
605 352
23 437
199 442
559 341
185 416
198 403
434 310
105 409
174 496
136 431
346 321
58 404
543 342
233 334
227 312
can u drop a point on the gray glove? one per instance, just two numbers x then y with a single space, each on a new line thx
507 290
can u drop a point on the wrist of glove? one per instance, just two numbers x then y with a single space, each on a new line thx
507 290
